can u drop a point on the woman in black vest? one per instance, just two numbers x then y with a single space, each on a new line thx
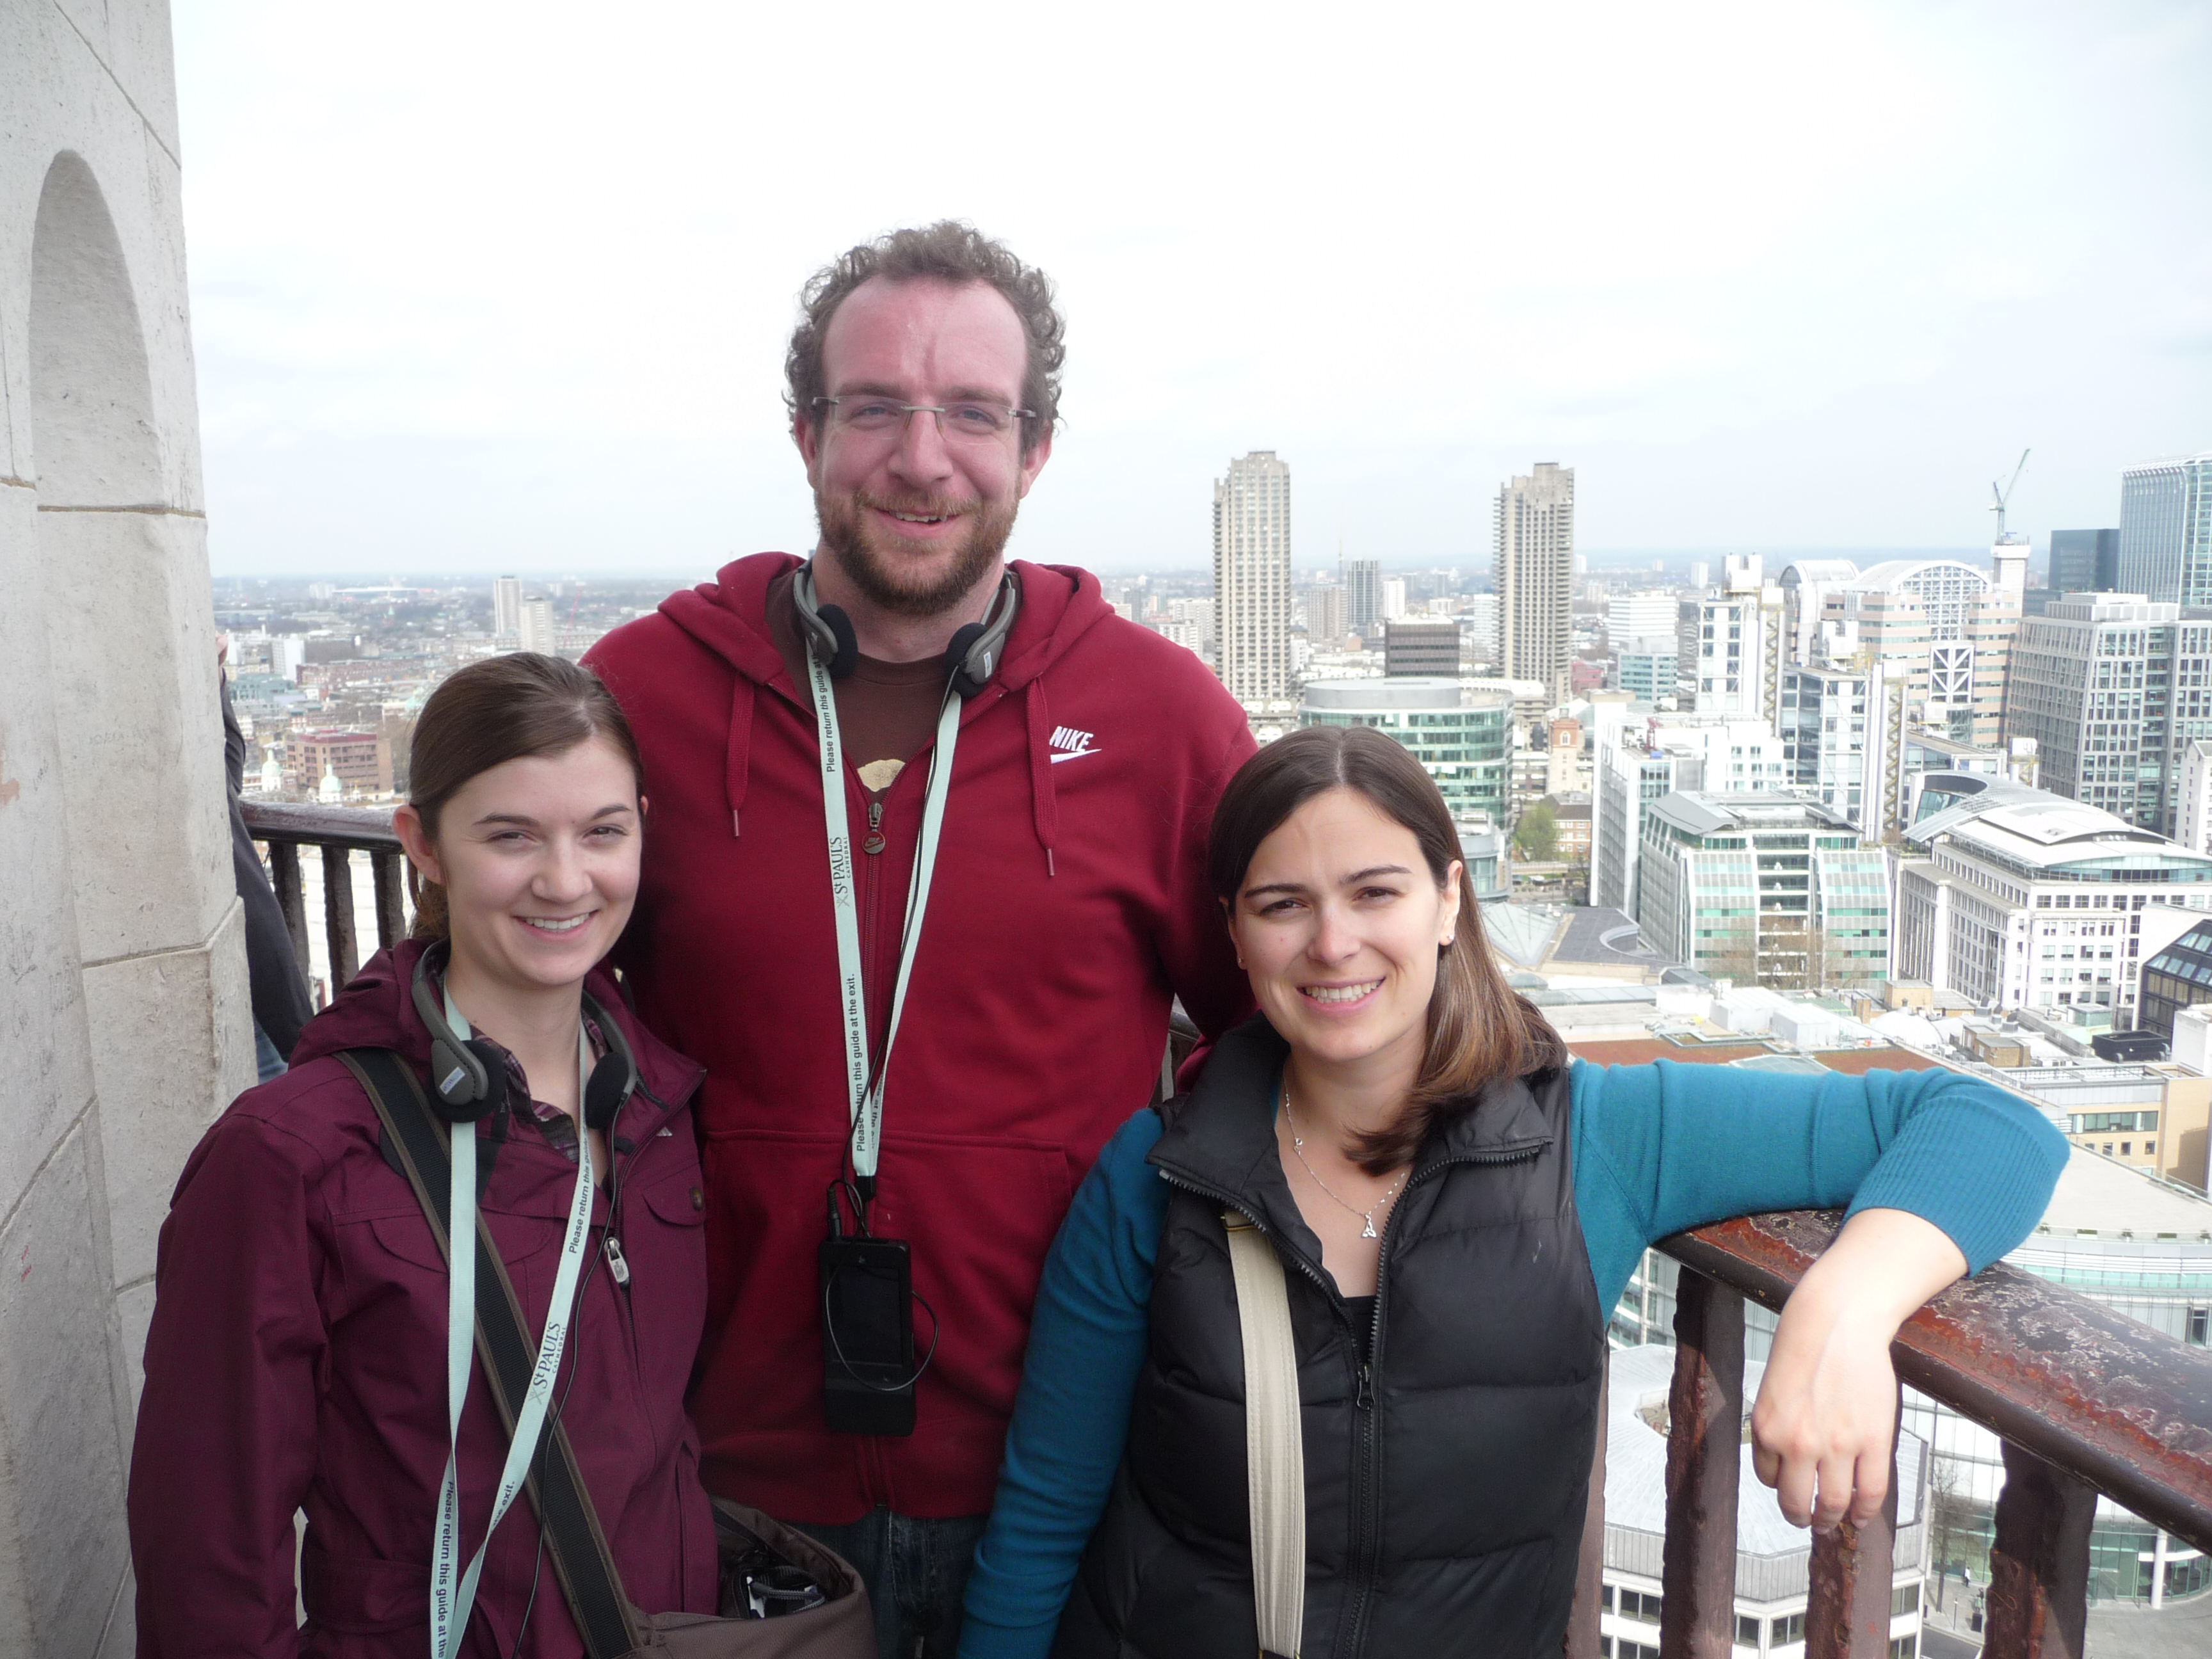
1457 1206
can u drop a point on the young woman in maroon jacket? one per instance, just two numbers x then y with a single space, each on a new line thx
297 1356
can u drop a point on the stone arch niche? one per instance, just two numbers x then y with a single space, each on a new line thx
119 590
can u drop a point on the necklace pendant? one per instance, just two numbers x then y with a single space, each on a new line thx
1368 1231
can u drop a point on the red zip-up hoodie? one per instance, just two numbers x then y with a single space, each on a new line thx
297 1360
1069 906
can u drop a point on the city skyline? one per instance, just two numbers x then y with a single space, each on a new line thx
462 309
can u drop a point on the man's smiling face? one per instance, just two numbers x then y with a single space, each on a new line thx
916 516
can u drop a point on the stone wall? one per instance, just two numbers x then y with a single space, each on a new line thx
121 971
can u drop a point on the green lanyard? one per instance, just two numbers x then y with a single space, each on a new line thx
450 1602
864 1095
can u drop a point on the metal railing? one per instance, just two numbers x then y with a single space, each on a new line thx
2085 1400
339 832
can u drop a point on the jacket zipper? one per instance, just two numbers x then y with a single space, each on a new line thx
1367 1514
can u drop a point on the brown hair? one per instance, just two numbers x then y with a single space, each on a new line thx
1479 1031
946 251
491 712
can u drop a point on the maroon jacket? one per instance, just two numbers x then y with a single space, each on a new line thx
1070 904
297 1360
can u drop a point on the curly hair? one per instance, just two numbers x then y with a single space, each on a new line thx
946 251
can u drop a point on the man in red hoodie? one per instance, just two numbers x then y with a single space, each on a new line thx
1067 908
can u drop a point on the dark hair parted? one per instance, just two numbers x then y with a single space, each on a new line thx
946 251
491 712
1479 1031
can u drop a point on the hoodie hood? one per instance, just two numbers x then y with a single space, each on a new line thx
729 616
376 1010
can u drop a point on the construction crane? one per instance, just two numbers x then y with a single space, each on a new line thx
2004 495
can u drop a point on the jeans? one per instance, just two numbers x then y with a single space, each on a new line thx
266 1060
916 1571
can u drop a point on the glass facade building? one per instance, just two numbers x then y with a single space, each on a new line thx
2166 529
1458 736
2178 977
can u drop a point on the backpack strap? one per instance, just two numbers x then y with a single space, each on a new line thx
573 1539
1275 1443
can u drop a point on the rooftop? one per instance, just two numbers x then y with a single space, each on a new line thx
1703 813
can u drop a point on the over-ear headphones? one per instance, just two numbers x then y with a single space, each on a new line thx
470 1079
969 661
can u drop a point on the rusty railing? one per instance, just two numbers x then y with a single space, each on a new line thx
339 832
2085 1400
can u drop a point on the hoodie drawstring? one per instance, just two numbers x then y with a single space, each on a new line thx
1043 802
739 765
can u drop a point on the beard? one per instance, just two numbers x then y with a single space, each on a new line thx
904 576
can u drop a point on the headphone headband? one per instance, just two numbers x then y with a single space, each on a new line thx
969 662
470 1079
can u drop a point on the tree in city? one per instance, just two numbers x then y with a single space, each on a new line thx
1537 835
1946 1515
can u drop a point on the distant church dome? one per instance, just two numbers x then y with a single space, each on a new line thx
332 791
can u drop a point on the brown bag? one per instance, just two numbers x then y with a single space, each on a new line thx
841 1627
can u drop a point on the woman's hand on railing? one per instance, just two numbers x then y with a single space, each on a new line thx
1823 1432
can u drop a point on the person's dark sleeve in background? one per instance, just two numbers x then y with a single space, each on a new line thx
272 972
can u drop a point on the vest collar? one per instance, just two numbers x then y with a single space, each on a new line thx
1220 1138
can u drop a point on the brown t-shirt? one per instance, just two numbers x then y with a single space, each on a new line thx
886 711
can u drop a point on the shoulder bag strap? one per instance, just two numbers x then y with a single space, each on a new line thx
582 1560
1274 1446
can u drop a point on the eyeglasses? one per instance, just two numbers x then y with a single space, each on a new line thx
970 421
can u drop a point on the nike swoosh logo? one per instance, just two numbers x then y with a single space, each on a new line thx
1073 754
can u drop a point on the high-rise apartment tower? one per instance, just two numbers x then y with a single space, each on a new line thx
506 604
1533 552
1252 577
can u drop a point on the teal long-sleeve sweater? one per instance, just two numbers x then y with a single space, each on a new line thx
1656 1149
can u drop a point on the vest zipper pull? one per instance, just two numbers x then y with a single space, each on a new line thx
615 1265
874 843
1364 1399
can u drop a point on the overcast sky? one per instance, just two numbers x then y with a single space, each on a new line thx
480 286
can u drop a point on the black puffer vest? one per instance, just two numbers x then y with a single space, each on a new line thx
1445 1480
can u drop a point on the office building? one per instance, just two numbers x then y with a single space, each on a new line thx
1637 763
506 607
1393 597
1363 591
2166 530
2114 688
1458 735
361 760
1480 611
1328 616
2016 897
1252 577
2084 562
1532 546
1645 668
1822 723
1806 586
1762 887
1424 649
2193 825
1701 574
1646 614
536 632
1731 647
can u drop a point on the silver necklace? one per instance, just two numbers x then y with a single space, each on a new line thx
1298 1145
